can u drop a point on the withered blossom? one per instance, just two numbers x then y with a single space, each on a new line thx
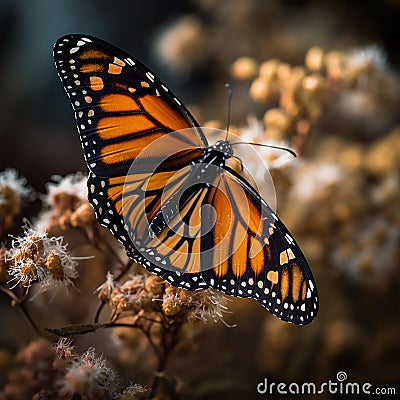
35 257
88 376
105 289
135 391
66 204
202 305
13 190
64 348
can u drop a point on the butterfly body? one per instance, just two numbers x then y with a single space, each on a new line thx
203 171
167 195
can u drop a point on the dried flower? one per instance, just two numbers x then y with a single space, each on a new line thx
66 203
314 59
279 124
11 182
134 392
64 348
120 302
4 276
364 62
182 44
131 296
202 305
154 286
255 132
260 90
244 68
315 182
36 257
13 189
65 192
88 377
105 289
208 305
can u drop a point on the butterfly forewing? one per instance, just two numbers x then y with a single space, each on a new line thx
120 106
193 233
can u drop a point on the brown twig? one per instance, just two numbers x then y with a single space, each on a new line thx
19 302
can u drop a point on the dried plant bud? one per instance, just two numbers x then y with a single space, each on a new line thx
134 284
9 201
64 220
135 392
13 187
383 158
4 265
260 90
312 94
295 77
83 215
278 124
120 302
288 90
104 290
154 286
55 266
183 43
201 305
283 71
28 272
268 69
13 190
64 201
335 65
214 124
352 157
244 68
171 302
314 59
64 349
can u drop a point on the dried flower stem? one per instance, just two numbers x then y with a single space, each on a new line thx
20 303
95 239
169 339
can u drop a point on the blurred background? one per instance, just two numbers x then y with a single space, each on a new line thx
340 201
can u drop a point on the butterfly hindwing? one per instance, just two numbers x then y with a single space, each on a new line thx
240 247
276 272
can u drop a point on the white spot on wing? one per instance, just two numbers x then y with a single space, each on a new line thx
150 76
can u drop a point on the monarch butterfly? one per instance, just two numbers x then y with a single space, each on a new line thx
185 216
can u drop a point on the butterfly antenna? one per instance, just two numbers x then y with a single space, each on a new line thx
268 145
229 87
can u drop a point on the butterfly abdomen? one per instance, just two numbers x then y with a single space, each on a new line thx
203 173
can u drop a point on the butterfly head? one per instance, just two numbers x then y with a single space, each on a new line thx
224 147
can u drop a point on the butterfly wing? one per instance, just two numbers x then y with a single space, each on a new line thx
240 248
120 105
226 237
121 108
275 271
